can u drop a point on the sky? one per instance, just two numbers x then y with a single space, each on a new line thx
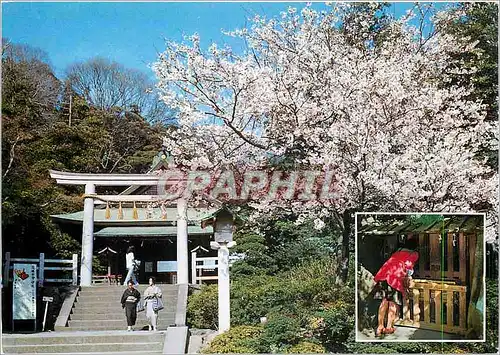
129 33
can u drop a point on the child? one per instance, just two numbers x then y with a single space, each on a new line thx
392 282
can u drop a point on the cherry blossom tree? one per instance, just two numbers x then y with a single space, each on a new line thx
376 113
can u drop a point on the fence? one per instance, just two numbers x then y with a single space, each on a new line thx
42 268
444 257
436 306
205 269
200 267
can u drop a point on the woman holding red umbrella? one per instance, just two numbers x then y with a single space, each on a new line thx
392 282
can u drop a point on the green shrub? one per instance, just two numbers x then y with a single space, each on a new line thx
253 297
332 325
236 340
279 332
202 308
306 347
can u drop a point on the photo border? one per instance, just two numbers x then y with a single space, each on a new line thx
483 340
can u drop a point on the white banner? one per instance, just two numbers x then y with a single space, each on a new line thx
24 291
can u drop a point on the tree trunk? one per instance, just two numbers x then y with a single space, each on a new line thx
346 236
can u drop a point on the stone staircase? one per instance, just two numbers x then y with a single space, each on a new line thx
97 324
109 342
99 308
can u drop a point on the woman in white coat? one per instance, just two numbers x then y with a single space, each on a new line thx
130 263
151 294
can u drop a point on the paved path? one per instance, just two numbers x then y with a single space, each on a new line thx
407 333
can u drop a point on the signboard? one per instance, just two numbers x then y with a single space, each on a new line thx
148 266
209 264
24 291
47 299
166 266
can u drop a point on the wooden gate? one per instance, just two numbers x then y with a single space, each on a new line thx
435 306
444 257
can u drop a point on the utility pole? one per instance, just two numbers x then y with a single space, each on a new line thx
70 106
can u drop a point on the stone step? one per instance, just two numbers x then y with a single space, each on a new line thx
156 347
118 323
111 312
117 316
139 327
120 289
113 308
82 338
112 303
88 297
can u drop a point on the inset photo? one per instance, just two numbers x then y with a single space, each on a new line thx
420 277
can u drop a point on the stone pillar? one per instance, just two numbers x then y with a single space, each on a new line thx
182 243
87 237
223 284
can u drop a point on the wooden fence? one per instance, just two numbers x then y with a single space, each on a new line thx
204 269
43 267
436 306
444 257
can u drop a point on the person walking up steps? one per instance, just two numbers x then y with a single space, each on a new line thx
129 301
131 264
152 299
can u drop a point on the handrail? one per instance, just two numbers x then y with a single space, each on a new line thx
65 312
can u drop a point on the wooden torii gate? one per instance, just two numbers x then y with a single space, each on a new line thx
90 181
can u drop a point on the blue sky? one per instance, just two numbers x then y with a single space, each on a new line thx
129 33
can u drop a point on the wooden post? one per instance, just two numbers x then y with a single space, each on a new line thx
437 302
449 308
463 259
6 270
41 267
435 262
75 269
427 306
462 309
472 256
421 259
416 307
193 268
406 309
108 256
450 255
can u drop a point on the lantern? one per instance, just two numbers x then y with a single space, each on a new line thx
223 227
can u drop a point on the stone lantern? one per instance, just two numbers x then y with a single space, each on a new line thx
223 223
223 226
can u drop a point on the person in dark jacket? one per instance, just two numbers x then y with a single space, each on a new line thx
129 301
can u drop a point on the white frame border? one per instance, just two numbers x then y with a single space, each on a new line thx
356 279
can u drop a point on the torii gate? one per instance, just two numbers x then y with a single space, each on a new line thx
90 181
